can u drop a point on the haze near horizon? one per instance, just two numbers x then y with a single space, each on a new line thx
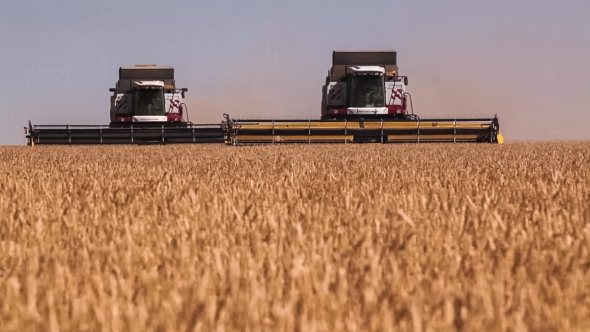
525 61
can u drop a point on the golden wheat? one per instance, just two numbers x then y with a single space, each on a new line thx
306 238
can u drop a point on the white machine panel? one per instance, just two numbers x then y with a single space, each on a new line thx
336 94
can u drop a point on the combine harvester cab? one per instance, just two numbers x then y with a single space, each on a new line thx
364 99
147 94
146 107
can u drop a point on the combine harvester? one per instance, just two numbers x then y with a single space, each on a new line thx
364 100
146 107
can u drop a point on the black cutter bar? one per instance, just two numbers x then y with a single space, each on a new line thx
92 135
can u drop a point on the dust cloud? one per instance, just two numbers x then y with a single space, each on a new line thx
536 97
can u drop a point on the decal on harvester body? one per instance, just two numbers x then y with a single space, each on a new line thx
122 104
337 94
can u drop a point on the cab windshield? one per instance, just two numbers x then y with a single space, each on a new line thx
367 91
150 102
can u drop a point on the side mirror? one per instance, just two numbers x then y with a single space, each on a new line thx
112 89
182 94
406 80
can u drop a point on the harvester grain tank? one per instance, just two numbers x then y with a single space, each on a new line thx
146 107
364 99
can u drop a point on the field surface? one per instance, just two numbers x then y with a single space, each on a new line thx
296 238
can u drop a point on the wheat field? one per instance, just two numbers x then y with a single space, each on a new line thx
296 238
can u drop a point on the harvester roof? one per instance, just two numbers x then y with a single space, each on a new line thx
368 69
149 84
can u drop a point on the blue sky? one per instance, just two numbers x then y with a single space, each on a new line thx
525 60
